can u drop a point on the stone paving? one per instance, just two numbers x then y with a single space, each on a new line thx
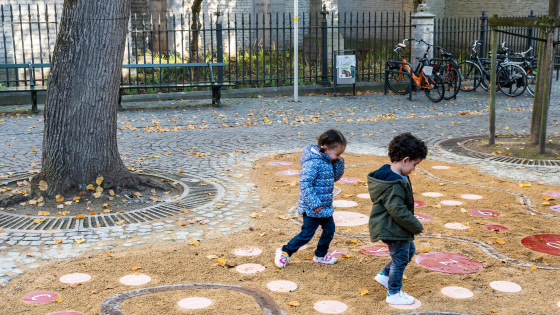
221 144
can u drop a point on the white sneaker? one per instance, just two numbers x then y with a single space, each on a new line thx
281 258
382 279
399 298
327 260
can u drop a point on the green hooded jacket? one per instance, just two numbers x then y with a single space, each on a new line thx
392 215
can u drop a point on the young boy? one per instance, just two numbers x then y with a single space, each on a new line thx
392 217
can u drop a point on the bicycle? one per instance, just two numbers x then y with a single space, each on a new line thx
450 73
531 70
423 77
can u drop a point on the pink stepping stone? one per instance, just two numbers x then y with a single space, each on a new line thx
457 292
348 180
412 306
423 218
289 172
364 196
337 253
543 243
281 286
419 204
448 263
485 213
344 203
346 218
555 208
194 303
432 194
451 203
471 197
376 250
248 251
135 279
280 163
456 226
493 227
40 297
505 286
330 307
558 304
440 167
250 268
553 194
66 313
75 278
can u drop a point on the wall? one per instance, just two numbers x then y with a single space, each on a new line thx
474 8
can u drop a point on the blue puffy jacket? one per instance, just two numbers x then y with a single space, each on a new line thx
317 179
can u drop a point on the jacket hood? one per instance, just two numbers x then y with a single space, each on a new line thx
378 186
311 152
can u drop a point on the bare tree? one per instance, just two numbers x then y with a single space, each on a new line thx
195 27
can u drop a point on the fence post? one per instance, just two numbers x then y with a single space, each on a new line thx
324 54
484 20
220 47
424 23
530 35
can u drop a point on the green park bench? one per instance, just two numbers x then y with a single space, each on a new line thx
32 87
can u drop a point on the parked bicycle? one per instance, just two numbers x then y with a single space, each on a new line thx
449 71
530 69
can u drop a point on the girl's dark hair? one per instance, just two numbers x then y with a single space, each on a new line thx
407 145
331 138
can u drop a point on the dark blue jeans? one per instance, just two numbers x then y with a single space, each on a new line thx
401 254
308 229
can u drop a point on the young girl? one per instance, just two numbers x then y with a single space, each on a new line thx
321 166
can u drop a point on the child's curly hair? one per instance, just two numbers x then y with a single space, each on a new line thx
407 145
331 138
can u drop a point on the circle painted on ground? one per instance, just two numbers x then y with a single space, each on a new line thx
304 247
505 286
40 297
330 307
248 251
456 226
250 268
449 263
348 180
543 243
493 227
344 203
432 194
75 278
280 163
451 203
553 194
471 197
289 172
555 208
364 196
558 304
337 253
412 306
457 292
485 213
419 204
346 218
282 286
135 279
423 218
194 303
440 167
376 250
66 313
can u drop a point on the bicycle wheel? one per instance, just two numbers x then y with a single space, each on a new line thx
397 82
511 80
531 81
470 76
451 77
436 90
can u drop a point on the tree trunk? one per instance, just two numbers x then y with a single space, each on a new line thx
195 27
80 137
538 97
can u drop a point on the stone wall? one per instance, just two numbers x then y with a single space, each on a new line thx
474 8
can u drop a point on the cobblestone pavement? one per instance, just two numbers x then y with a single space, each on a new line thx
221 144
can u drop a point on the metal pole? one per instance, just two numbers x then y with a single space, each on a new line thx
484 20
296 50
492 120
325 80
220 47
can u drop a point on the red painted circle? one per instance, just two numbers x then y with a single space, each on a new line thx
449 263
555 208
423 218
553 194
289 172
492 227
40 297
419 204
337 253
280 163
348 180
543 243
66 313
376 250
485 213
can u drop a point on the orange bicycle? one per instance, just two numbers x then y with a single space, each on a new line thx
425 77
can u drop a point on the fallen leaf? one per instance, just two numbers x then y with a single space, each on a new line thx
90 187
75 285
134 267
109 254
425 250
493 310
255 215
120 222
68 203
182 224
262 234
285 217
58 299
45 213
99 189
99 180
80 216
363 291
43 185
109 287
37 221
58 241
194 243
221 261
97 195
500 241
59 198
137 194
534 267
293 183
347 256
80 241
186 211
294 303
212 257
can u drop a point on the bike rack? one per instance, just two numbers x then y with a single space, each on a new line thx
387 71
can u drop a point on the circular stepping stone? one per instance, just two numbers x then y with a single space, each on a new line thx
553 194
194 303
348 180
543 243
558 304
282 286
451 203
492 227
471 197
412 306
419 204
456 226
135 279
555 208
485 213
457 292
75 278
344 203
376 250
248 251
505 286
346 218
289 172
364 196
66 313
330 307
448 263
40 297
337 253
280 163
250 268
440 167
432 194
423 218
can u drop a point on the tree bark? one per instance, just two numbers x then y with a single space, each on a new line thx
195 27
80 136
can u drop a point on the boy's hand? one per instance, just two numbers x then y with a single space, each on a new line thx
420 232
318 209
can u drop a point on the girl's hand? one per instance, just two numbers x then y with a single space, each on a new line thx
318 209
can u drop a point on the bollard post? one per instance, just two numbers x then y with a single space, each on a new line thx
220 47
483 27
324 55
